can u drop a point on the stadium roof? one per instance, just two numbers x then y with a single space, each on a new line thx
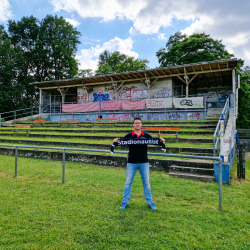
203 74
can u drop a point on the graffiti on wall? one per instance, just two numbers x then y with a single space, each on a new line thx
107 89
194 116
55 118
81 97
143 116
217 95
156 116
174 116
134 94
120 117
129 88
79 117
92 117
162 93
100 96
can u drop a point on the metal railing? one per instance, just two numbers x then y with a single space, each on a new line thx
16 114
56 107
120 152
216 136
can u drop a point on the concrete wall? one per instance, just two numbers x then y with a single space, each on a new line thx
108 160
145 115
133 90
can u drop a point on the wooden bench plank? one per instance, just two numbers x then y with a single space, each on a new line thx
18 127
105 119
159 129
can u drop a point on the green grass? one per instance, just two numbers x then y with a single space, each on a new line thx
38 212
107 141
103 130
194 136
102 153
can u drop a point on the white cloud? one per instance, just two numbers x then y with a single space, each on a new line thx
72 22
107 10
225 20
89 57
5 12
161 36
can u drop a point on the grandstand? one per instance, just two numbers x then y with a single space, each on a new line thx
190 97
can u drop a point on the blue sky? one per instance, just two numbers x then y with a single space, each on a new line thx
140 28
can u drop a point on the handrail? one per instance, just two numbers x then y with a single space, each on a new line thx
224 113
120 152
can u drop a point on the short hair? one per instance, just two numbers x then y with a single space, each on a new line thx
137 118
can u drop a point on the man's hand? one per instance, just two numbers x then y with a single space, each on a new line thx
162 139
116 139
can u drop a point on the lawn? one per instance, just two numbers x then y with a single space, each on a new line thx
38 212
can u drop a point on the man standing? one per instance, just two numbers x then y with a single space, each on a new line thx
137 159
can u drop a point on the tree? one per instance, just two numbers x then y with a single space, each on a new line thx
49 46
243 120
182 49
10 91
34 51
85 73
116 63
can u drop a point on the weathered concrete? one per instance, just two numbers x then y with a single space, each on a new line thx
214 113
228 139
155 133
129 123
189 140
205 178
24 119
174 150
192 170
108 160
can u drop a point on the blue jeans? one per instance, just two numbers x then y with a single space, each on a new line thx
130 174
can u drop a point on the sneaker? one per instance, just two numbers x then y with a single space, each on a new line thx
123 206
152 206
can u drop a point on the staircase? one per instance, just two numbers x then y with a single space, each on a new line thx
214 113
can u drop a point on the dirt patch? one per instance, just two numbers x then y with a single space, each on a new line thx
247 156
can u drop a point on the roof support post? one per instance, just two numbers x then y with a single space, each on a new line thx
187 83
147 83
63 93
116 87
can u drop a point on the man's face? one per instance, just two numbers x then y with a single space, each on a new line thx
137 124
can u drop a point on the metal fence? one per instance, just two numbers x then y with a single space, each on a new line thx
121 152
56 107
17 114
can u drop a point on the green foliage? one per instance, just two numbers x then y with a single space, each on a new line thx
116 62
85 73
243 120
182 49
34 51
10 64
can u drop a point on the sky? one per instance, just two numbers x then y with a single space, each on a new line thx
139 28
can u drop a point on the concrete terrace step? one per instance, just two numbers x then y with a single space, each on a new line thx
130 122
192 170
96 137
174 150
181 126
101 159
205 178
152 132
